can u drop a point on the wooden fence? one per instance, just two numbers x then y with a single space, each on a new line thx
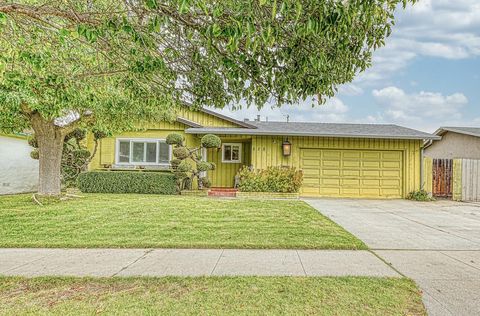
470 180
442 178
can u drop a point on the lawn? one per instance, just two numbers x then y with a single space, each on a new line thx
153 221
210 296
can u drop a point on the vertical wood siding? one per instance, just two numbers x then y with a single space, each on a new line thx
266 151
470 171
427 174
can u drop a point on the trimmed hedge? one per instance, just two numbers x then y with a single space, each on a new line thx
127 182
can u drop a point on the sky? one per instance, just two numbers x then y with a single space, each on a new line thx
426 76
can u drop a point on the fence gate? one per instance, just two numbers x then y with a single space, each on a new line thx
442 177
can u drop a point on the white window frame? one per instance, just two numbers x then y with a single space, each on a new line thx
239 153
141 140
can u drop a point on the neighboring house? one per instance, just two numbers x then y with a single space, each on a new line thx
456 142
338 160
18 171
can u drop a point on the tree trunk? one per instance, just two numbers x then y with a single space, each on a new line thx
50 148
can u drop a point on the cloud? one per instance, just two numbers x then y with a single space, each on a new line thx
424 110
432 28
334 110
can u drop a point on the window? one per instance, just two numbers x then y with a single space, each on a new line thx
232 153
142 152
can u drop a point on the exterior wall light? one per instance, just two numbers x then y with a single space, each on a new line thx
286 148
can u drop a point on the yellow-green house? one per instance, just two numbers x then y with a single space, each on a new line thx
338 160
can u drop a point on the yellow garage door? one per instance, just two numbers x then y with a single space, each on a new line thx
352 173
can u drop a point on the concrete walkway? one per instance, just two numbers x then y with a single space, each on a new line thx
190 262
437 244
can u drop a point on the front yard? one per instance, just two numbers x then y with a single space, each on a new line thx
154 221
210 296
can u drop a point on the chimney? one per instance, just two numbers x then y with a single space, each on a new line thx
258 118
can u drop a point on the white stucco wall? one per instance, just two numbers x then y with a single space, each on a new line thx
18 172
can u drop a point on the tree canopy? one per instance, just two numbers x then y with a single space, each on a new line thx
107 64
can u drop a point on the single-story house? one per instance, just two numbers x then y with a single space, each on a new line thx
18 171
338 160
455 143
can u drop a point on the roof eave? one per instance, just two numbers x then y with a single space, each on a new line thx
442 130
266 133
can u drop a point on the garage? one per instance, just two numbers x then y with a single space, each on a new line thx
352 173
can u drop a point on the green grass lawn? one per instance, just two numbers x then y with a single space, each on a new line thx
144 221
210 296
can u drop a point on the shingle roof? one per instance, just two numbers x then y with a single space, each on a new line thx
320 129
472 131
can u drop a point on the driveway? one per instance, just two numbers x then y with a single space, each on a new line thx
436 243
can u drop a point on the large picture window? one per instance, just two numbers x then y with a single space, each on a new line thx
232 152
142 152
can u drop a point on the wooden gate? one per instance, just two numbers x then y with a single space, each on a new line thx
442 177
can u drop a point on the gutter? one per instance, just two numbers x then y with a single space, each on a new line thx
286 133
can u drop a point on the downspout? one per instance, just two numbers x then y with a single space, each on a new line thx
422 184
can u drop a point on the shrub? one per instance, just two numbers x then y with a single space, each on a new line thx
420 195
206 183
211 141
180 153
174 139
127 182
272 179
184 166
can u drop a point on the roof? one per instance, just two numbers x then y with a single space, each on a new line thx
320 129
472 131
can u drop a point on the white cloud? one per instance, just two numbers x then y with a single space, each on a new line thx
424 110
433 28
334 110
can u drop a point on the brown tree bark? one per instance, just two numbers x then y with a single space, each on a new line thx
50 147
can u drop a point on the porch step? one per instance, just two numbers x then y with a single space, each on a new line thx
222 192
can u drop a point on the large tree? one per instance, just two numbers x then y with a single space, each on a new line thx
109 64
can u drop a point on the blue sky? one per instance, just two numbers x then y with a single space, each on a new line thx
427 75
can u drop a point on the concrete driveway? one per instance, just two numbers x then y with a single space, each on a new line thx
436 243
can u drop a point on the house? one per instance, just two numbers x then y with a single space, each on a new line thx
456 142
18 171
338 160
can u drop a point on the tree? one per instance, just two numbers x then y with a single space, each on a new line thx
75 155
109 64
188 164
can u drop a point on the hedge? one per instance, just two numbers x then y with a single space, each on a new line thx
127 182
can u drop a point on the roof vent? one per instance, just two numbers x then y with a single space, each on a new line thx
258 118
246 120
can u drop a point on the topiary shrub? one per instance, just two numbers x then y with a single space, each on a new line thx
420 195
184 166
272 179
188 163
174 139
181 153
127 182
211 141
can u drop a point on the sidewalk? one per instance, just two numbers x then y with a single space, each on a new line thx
190 262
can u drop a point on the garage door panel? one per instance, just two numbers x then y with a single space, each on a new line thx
371 164
370 173
330 172
350 182
350 164
391 165
330 182
331 163
352 173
